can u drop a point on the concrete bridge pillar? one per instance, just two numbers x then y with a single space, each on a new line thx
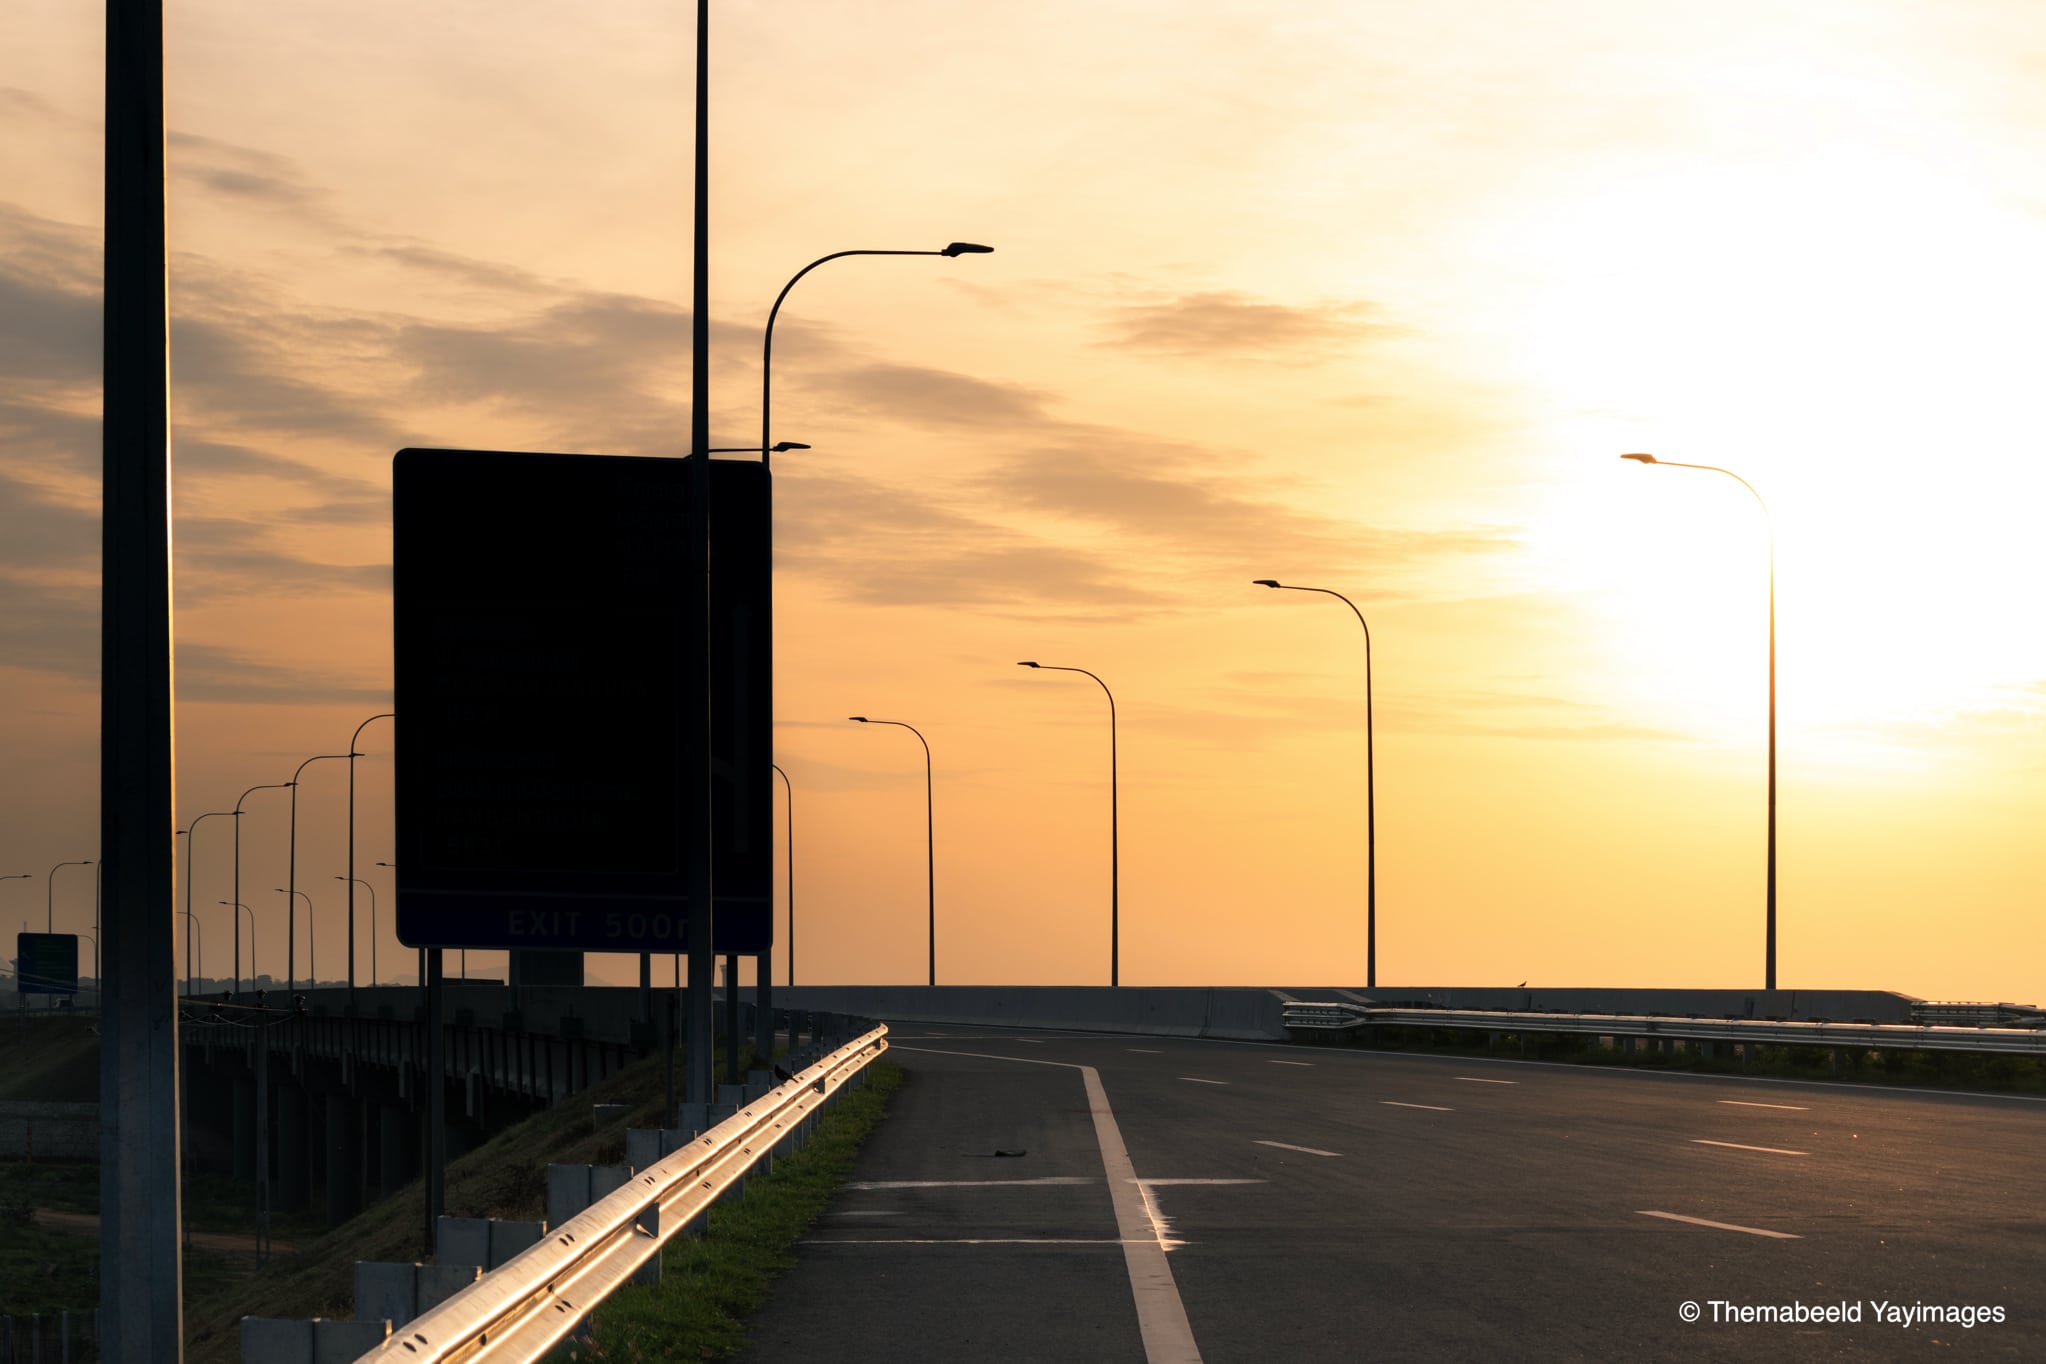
344 1158
397 1147
294 1173
244 1110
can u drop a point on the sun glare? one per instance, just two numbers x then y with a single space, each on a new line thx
1853 335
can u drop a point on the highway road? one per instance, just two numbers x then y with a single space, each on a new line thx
1280 1203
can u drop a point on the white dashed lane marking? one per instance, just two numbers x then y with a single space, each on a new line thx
1304 1150
1736 1146
1726 1226
1746 1103
1432 1108
1195 1079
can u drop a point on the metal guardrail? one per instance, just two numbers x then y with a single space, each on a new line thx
523 1309
1333 1017
1909 1036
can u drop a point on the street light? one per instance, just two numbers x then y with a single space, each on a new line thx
188 958
930 852
1370 787
1114 837
291 884
352 756
190 833
312 973
266 786
789 845
50 893
949 250
1769 931
238 943
767 339
372 925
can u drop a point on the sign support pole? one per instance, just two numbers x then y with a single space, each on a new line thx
141 1272
697 801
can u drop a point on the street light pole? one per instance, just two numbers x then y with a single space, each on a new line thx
789 846
312 974
1370 787
238 940
1769 930
190 971
190 831
352 756
1114 835
291 883
50 893
267 786
930 836
372 928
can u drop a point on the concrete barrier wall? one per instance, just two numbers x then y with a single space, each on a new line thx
48 1131
606 1013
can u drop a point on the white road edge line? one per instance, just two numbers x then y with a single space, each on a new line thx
1749 1103
1046 1181
1432 1108
1289 1146
962 1241
1480 1080
1726 1226
1736 1146
1161 1316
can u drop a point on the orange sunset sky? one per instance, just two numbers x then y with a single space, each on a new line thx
1354 294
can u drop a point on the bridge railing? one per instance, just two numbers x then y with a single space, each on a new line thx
523 1309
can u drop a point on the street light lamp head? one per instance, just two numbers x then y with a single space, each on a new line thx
1026 665
860 719
782 447
1264 582
966 249
1640 459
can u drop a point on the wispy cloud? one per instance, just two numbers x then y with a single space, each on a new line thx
1229 324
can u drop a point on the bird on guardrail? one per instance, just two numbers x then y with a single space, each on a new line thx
781 1073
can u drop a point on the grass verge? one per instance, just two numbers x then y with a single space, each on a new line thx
710 1283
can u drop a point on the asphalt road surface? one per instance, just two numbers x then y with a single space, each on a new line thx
1291 1203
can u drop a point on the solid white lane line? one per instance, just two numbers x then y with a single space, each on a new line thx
1195 1079
1745 1103
1292 1063
1726 1226
1161 1316
1031 1041
1305 1150
1432 1108
1152 1183
1479 1080
1736 1146
970 1183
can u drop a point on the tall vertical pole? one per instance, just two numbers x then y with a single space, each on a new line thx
141 1271
1769 971
789 848
353 739
697 803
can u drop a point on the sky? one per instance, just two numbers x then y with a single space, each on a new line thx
1360 295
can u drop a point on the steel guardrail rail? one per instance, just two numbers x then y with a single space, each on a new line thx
527 1306
1330 1014
1910 1036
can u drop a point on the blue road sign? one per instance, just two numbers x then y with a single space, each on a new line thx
539 605
46 963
